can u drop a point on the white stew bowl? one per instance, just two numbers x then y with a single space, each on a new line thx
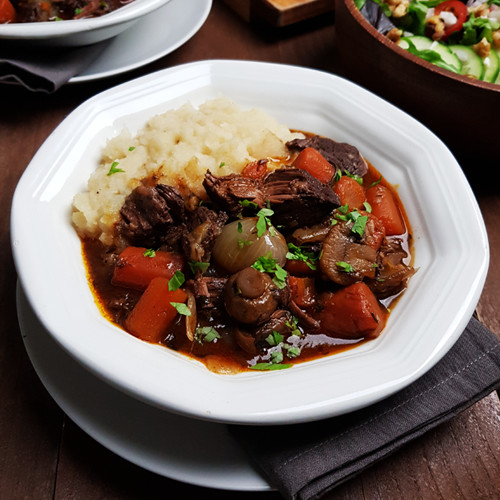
79 32
451 247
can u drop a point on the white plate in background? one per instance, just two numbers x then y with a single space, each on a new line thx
149 39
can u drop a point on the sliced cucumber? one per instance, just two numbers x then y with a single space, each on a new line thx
472 64
491 67
497 80
423 43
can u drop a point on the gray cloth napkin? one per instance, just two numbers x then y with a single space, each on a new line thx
45 69
307 460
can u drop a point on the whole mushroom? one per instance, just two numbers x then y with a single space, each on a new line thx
250 296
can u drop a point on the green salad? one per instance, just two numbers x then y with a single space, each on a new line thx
457 36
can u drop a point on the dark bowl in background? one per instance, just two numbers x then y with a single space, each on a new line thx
464 113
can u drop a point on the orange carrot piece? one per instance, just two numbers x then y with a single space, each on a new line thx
352 312
153 313
303 291
7 12
350 192
385 208
136 270
315 163
298 268
255 170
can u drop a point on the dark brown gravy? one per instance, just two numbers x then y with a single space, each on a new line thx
223 355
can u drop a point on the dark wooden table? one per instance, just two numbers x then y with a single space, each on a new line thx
44 455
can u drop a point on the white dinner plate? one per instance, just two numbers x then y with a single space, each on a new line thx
149 39
188 450
451 246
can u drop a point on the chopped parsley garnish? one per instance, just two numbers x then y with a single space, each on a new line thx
176 281
357 178
195 266
297 253
206 334
131 148
78 11
294 327
113 169
222 164
343 209
244 243
359 220
291 350
181 308
263 221
269 265
248 204
269 366
277 357
240 227
149 253
344 266
274 338
368 207
374 183
337 176
359 225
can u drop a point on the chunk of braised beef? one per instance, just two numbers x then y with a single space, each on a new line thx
341 155
208 291
297 198
204 226
147 215
228 191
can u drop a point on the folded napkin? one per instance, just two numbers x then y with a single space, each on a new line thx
45 69
323 454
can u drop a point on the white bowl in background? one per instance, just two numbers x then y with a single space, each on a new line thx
450 241
79 32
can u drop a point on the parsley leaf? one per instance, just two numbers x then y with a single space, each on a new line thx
269 366
269 265
196 265
263 221
297 253
206 334
248 204
274 338
149 253
359 225
176 281
344 266
244 243
113 169
357 178
292 351
181 308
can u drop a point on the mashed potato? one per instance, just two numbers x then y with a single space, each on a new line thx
178 147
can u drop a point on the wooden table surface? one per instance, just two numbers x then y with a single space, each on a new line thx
44 455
